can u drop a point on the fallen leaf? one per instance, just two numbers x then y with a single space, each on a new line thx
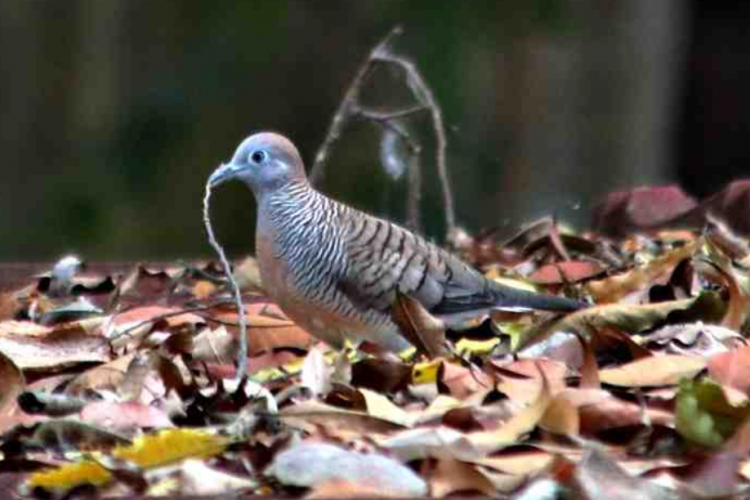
653 371
565 272
451 476
308 464
419 327
43 348
614 288
732 368
128 415
316 373
13 383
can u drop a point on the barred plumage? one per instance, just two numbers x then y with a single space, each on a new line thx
335 270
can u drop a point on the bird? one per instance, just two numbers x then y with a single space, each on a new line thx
335 270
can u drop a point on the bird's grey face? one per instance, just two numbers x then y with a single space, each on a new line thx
264 162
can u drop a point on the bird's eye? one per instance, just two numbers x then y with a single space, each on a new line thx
258 157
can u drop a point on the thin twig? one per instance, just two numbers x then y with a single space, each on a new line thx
382 116
242 354
423 93
415 193
350 108
163 316
342 113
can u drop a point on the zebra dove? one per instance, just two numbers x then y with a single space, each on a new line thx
335 270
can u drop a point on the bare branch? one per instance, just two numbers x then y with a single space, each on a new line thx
350 108
415 193
342 113
383 116
423 93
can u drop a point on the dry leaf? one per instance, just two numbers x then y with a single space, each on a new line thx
419 327
309 464
653 371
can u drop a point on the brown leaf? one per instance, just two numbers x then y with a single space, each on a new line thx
522 380
561 417
462 381
614 288
419 327
599 476
732 368
107 377
13 383
590 369
736 280
625 317
156 313
309 414
640 209
382 375
599 410
565 272
488 442
128 415
42 348
653 371
731 205
521 461
265 332
451 476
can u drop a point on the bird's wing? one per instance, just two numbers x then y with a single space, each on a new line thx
383 257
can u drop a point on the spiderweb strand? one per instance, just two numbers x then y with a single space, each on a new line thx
242 354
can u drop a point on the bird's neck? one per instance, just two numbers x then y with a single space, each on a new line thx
290 204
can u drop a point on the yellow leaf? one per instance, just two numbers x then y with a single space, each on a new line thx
476 347
426 373
70 475
149 451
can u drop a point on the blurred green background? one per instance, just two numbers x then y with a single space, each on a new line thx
115 112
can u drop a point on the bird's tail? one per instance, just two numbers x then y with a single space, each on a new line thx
515 299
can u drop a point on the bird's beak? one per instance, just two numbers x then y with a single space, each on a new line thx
224 173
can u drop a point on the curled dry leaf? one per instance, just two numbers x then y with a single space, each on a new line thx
310 414
624 317
732 368
736 281
488 442
41 348
13 383
653 371
451 476
423 330
615 288
105 377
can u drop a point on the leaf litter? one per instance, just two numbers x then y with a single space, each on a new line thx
649 394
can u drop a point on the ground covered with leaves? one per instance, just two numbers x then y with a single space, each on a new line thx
120 381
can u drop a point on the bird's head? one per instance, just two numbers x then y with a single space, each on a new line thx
265 162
